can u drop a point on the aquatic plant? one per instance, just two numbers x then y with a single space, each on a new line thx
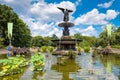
38 62
50 49
44 49
13 65
79 48
71 54
86 49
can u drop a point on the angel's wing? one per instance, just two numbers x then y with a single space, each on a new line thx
62 9
70 10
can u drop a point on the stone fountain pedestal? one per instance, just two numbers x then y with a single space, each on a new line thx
65 43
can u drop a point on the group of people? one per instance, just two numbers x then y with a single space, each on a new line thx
17 50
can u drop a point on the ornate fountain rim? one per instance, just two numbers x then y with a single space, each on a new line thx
66 24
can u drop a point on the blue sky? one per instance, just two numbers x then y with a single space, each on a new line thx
89 16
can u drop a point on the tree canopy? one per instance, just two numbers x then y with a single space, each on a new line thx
39 41
21 33
114 40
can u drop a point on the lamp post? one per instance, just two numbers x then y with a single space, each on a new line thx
10 27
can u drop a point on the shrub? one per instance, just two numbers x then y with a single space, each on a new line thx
50 49
79 49
86 49
116 46
44 49
71 54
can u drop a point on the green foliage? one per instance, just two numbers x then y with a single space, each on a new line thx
54 37
44 48
79 48
86 49
117 36
78 36
103 39
116 46
84 43
21 33
114 40
37 41
71 54
50 49
12 65
47 41
1 42
86 40
38 62
40 41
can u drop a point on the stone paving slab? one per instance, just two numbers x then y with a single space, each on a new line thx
3 51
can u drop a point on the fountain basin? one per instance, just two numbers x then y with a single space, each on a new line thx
66 24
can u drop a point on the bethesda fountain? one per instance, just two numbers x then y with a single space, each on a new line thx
65 43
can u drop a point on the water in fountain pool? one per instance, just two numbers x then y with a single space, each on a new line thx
84 67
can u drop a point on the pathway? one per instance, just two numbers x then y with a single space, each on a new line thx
3 51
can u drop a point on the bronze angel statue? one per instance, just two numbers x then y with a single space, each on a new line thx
66 13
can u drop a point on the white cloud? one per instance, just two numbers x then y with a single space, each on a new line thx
89 31
95 18
77 2
49 12
9 1
106 4
21 7
42 29
111 14
67 4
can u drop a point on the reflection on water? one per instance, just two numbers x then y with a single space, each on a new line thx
99 68
66 68
84 67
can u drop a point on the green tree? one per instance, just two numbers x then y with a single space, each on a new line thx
47 41
103 39
78 36
117 36
54 37
21 33
91 40
86 40
37 41
1 42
